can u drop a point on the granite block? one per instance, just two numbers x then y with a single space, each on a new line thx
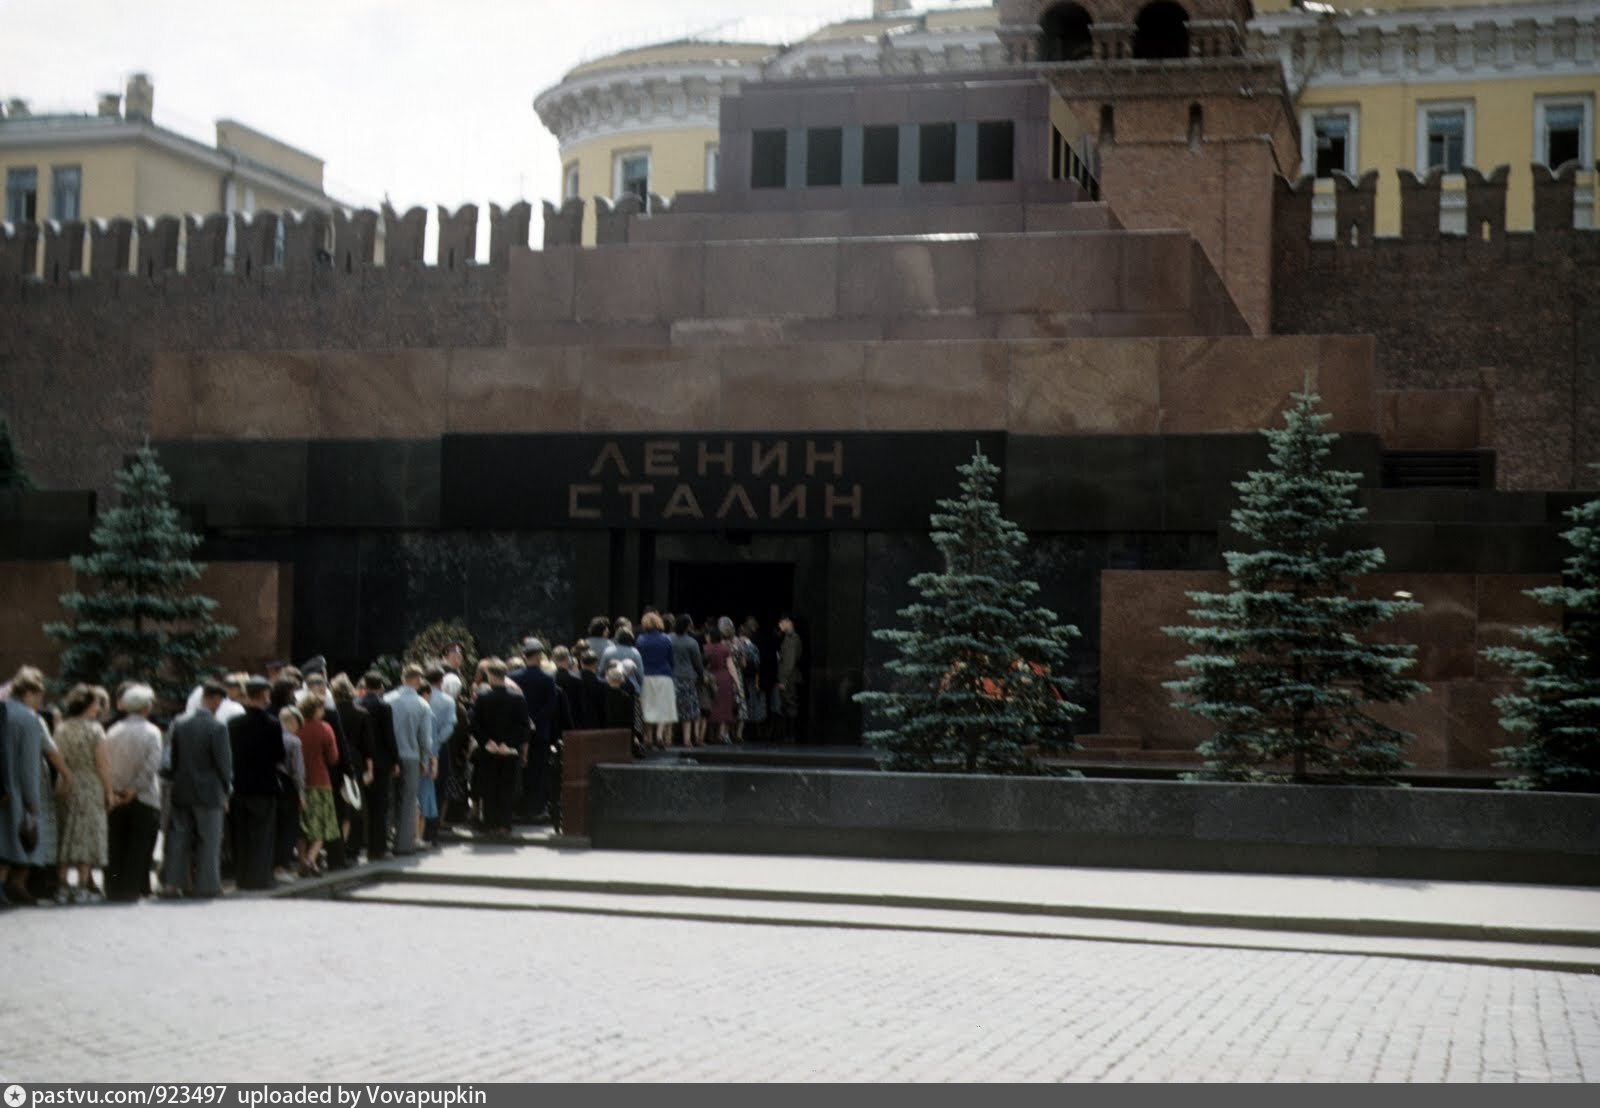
1474 722
542 285
253 484
1156 272
928 386
1084 483
1232 383
1347 382
889 278
1407 547
392 484
642 283
256 598
815 386
398 394
1431 419
1426 719
500 390
1025 326
651 388
771 279
1504 606
1443 629
28 600
1238 813
1081 387
768 796
1049 273
256 395
1200 470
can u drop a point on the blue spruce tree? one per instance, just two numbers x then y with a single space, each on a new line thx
1556 713
980 669
140 621
1280 663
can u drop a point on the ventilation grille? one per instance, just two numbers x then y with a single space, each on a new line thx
1438 469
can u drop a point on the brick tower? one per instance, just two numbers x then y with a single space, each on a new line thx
1188 129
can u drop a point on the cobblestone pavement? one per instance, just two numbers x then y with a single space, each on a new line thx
258 990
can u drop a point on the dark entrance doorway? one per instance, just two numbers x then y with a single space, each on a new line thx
707 590
738 590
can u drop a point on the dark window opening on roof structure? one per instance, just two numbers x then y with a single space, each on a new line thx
824 157
996 150
880 155
769 159
936 155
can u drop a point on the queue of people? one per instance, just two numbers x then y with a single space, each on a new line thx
269 778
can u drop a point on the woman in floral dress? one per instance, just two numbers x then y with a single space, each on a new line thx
82 811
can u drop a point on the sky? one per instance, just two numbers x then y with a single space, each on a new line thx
423 101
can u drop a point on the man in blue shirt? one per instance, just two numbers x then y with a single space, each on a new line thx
413 741
443 707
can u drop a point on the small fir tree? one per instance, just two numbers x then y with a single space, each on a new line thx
13 477
431 641
1556 713
140 621
1281 666
981 669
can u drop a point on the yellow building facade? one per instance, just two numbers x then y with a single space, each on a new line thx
1415 86
646 120
1399 84
119 163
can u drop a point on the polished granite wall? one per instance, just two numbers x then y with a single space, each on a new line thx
1066 387
1455 725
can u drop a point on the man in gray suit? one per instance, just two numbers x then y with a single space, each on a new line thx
201 761
413 739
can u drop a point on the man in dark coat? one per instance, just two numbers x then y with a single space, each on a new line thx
539 689
357 727
200 757
385 766
571 686
499 721
592 694
256 742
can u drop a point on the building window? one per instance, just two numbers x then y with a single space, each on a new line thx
996 150
571 183
713 165
880 155
824 157
1065 34
1161 30
936 153
66 192
1444 137
769 159
632 176
1563 129
1328 141
22 195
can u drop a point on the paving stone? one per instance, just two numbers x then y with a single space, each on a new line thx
158 991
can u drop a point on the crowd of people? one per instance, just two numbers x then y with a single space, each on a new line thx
272 777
